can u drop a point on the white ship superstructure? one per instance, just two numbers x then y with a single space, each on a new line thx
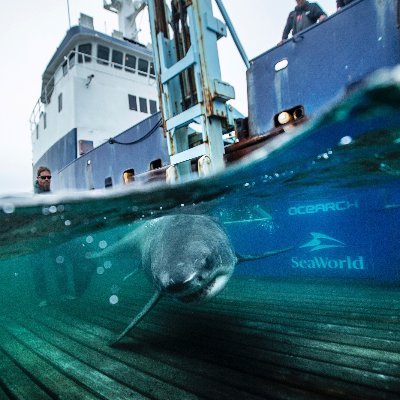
94 87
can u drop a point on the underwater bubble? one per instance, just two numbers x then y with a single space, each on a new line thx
52 209
113 299
100 270
60 208
33 229
89 239
107 264
67 222
8 208
325 156
345 140
135 208
59 259
246 184
45 211
103 244
182 205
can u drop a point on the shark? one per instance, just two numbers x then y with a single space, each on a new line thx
186 257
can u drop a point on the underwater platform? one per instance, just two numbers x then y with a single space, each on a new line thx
260 339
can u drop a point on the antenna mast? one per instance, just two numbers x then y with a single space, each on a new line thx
69 15
128 11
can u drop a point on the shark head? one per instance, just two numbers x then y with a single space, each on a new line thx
193 271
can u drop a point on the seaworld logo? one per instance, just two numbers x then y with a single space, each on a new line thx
329 263
320 241
322 207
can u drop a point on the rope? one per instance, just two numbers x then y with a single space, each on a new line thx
148 134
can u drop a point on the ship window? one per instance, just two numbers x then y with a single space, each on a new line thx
85 146
132 102
37 131
155 164
103 54
71 59
143 67
153 106
129 176
65 68
152 72
117 59
60 102
143 105
44 121
86 49
108 182
130 63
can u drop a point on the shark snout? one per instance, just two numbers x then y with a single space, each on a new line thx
174 286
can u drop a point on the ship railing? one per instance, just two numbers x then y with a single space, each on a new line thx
83 58
34 119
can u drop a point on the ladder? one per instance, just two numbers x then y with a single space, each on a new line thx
192 95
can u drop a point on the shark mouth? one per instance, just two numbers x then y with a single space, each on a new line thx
206 292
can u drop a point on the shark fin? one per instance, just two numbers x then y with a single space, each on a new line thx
243 258
146 309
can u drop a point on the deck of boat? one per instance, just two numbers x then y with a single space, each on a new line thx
260 339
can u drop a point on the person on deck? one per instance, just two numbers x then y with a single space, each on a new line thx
43 180
304 15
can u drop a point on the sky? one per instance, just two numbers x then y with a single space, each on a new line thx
34 29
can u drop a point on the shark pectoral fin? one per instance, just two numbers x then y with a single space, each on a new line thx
243 258
147 308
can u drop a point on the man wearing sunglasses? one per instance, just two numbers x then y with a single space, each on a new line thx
43 180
